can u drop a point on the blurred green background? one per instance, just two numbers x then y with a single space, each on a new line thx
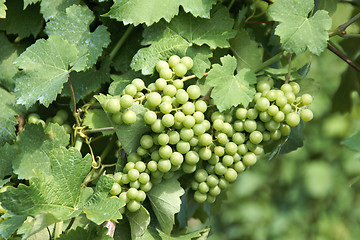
313 192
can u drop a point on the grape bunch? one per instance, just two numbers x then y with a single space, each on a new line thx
61 117
190 135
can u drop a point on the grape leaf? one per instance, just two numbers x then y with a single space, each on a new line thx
193 235
28 2
3 9
200 56
49 8
165 201
58 193
328 5
7 116
96 118
92 232
21 22
248 53
230 90
74 27
352 142
179 35
295 139
35 225
100 208
34 148
150 11
45 67
8 69
8 226
297 31
7 152
88 81
139 222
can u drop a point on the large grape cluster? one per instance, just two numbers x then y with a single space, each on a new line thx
191 136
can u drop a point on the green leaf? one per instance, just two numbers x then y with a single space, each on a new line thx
35 225
297 31
295 139
8 69
45 67
179 35
230 90
7 116
193 235
139 221
74 27
34 148
97 118
7 153
352 142
150 11
58 193
28 2
21 22
49 8
3 9
8 226
165 201
328 5
92 232
248 53
120 82
100 208
200 56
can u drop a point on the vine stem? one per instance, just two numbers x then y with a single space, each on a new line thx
268 62
70 223
340 30
338 53
97 130
287 78
110 225
120 42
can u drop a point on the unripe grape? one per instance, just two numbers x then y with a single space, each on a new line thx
199 117
123 197
286 109
133 174
169 90
165 152
230 175
188 62
168 120
239 125
295 87
183 147
133 206
201 106
160 83
227 160
132 193
306 99
186 134
271 95
249 159
239 167
212 180
189 121
138 83
179 84
146 141
131 90
125 179
163 139
214 159
140 166
222 138
141 196
250 126
176 158
220 169
262 104
238 138
285 130
230 148
290 97
179 117
272 125
199 129
241 113
292 119
161 65
200 175
203 187
256 137
188 108
200 197
205 153
192 157
152 166
150 117
115 189
281 101
166 73
286 88
174 137
174 60
215 191
129 117
126 101
242 149
188 168
264 85
193 91
153 99
164 166
180 69
165 107
117 118
223 183
113 105
279 117
205 139
306 115
157 126
146 187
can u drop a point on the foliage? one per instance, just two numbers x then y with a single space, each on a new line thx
80 79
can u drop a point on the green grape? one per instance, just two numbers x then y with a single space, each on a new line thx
176 158
180 69
281 101
189 121
212 180
236 157
230 175
126 101
272 125
206 124
131 90
112 106
257 96
166 73
306 99
227 128
279 117
203 187
199 117
192 157
239 167
141 196
188 62
188 168
115 189
250 146
210 168
285 129
188 108
164 166
157 126
264 85
125 179
129 117
133 175
133 206
238 125
295 87
220 169
132 193
165 152
256 137
163 139
252 114
181 96
222 138
160 83
201 106
168 175
286 88
210 199
238 138
290 97
140 166
169 90
146 187
200 175
150 117
249 159
161 65
186 134
214 159
205 139
194 142
264 117
271 95
179 84
117 118
306 115
174 137
242 149
241 113
146 141
217 115
275 135
152 166
273 110
135 184
223 183
292 119
123 197
153 99
200 197
230 148
165 107
215 191
199 129
193 91
138 83
174 60
205 153
183 147
250 126
168 120
179 117
218 124
194 185
262 104
227 160
286 109
62 114
175 168
219 151
178 126
117 177
259 150
152 87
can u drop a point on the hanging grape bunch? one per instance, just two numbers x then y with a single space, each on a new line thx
188 133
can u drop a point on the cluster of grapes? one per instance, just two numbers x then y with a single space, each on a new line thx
60 118
192 137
